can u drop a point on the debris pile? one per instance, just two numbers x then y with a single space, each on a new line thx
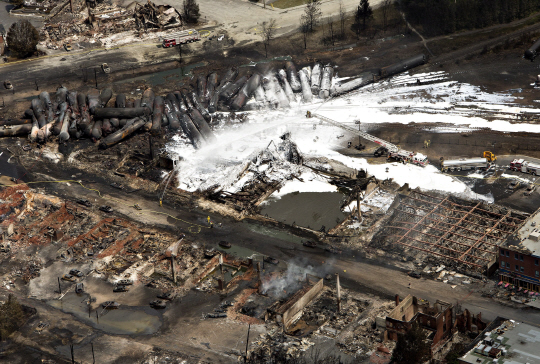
276 344
118 249
105 20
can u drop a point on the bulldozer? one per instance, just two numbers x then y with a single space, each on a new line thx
490 157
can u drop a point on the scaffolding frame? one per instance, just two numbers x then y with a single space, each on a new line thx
467 234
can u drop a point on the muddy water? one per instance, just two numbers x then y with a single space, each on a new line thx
308 209
122 321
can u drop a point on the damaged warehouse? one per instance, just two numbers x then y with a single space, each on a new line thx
459 233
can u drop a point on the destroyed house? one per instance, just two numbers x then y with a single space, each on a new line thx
519 256
291 310
436 319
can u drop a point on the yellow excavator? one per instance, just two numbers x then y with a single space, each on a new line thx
490 157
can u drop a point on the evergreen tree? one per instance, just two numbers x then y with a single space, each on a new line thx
22 38
365 12
191 11
412 347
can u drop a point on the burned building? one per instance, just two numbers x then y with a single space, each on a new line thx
289 311
519 256
436 319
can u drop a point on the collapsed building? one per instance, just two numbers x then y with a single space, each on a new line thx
436 319
67 24
440 322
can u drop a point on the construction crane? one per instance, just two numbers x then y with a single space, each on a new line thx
392 150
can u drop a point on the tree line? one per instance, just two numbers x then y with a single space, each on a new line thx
448 16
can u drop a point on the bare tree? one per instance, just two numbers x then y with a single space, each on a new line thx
304 28
191 11
331 32
385 8
312 13
268 34
342 17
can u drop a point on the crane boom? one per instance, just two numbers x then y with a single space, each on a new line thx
383 143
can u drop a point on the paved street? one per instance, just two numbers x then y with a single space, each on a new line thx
357 273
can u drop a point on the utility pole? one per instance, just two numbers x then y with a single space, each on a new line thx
359 138
93 357
95 76
338 286
173 268
59 288
37 87
247 343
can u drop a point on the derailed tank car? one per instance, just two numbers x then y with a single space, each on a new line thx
403 66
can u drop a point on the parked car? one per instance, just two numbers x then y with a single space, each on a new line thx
530 190
117 185
513 185
110 304
41 326
166 296
125 282
107 209
158 304
225 244
79 288
76 273
415 274
120 288
68 277
105 67
8 85
309 244
271 260
332 250
84 202
68 47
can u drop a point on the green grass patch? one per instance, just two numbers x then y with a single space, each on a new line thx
284 4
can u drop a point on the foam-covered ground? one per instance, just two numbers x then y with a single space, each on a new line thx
251 148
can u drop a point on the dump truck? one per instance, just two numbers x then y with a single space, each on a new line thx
183 37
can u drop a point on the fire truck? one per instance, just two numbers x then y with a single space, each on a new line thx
183 37
392 151
521 165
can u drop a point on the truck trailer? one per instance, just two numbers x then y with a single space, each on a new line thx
464 164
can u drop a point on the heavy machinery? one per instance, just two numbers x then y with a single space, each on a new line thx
490 157
392 151
484 163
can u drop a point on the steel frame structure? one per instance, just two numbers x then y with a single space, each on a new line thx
437 226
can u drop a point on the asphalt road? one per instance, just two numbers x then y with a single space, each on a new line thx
70 66
378 277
